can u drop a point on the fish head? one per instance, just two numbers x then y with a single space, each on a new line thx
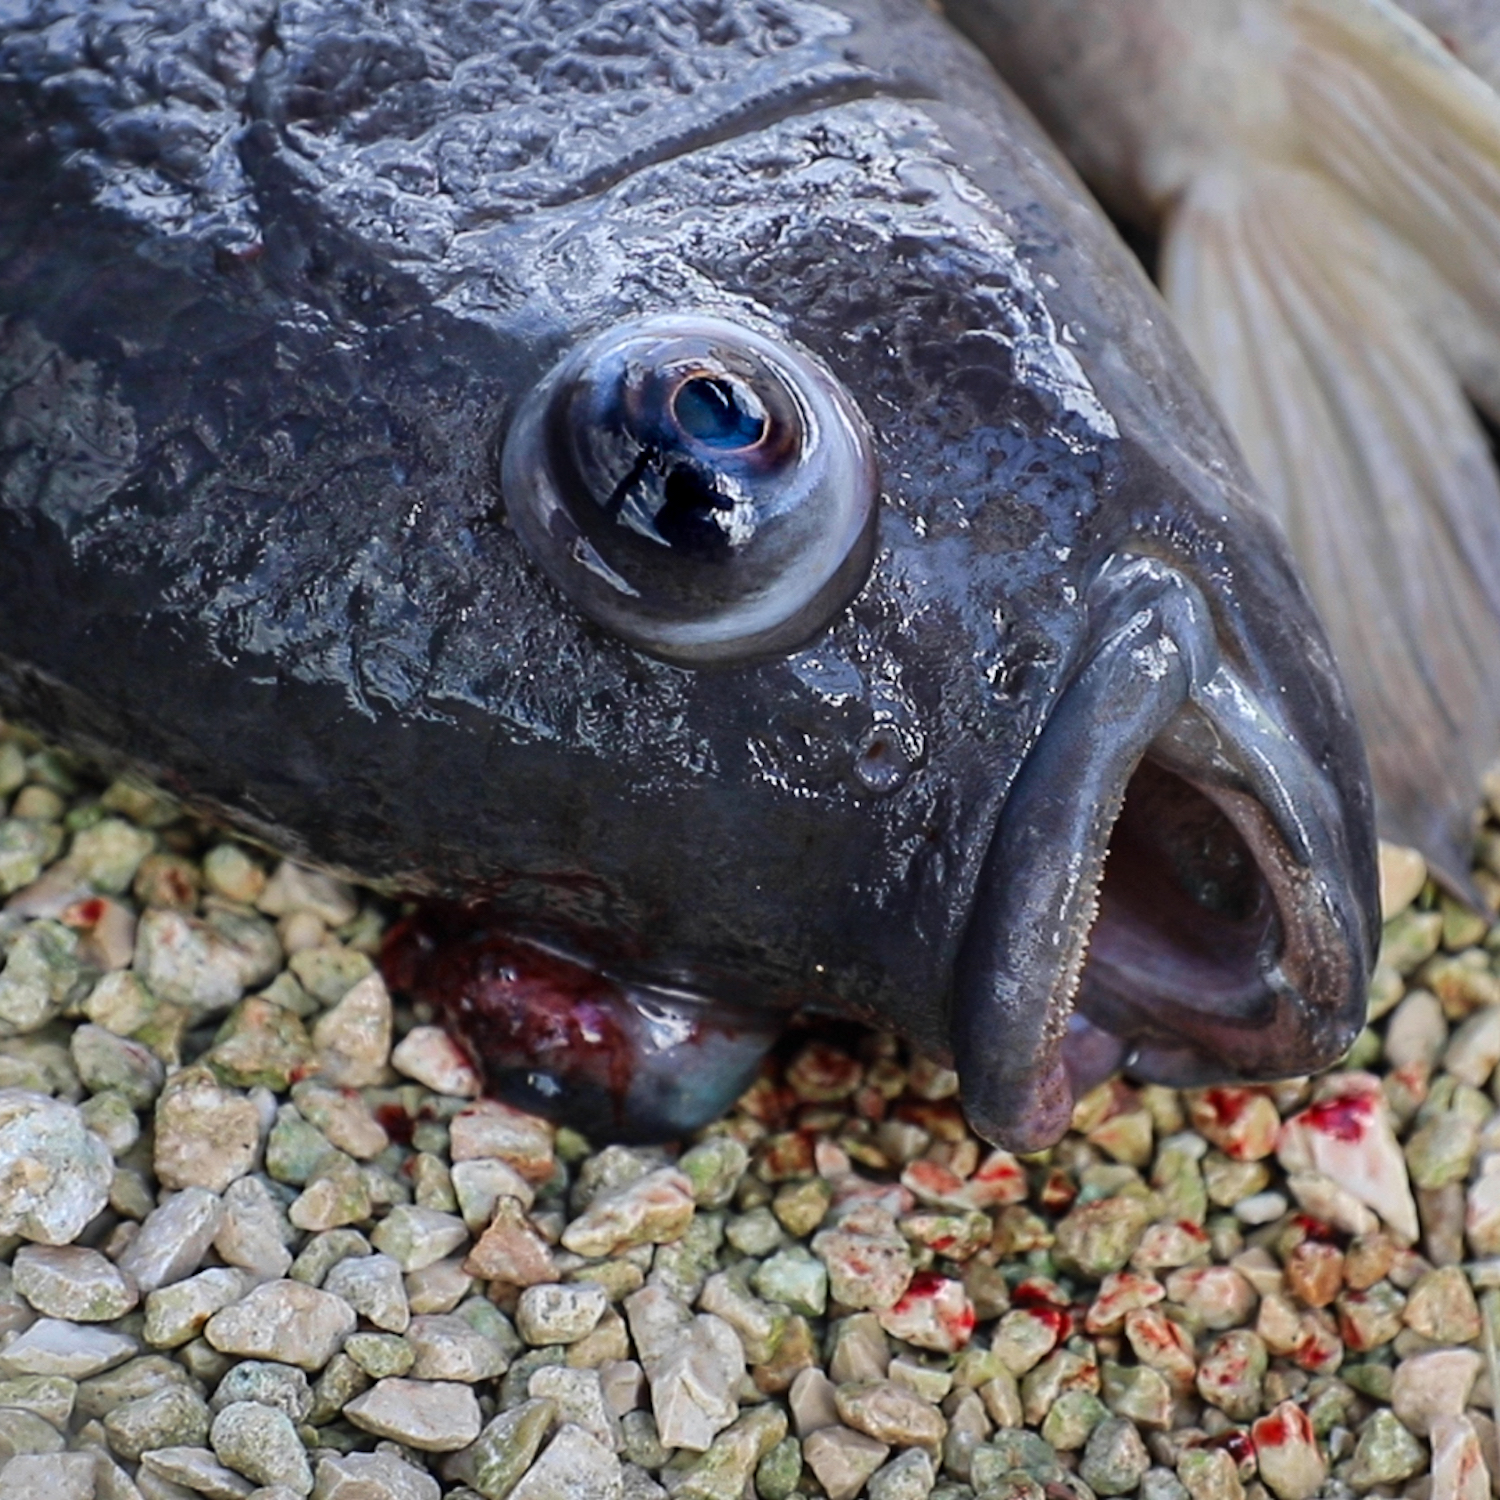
782 562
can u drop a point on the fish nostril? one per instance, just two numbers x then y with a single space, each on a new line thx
881 765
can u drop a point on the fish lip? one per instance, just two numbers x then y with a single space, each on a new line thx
1074 965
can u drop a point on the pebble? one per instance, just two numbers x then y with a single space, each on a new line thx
842 1460
654 1209
274 1385
416 1237
573 1465
724 1471
1346 1134
262 1444
204 965
934 1312
427 1055
177 1313
1431 1385
868 1262
195 1469
67 1281
890 1413
1287 1453
372 1476
446 1347
286 1321
51 1346
1458 1467
908 1476
55 1476
504 1450
373 1286
294 888
488 1129
174 1416
435 1416
1386 1452
693 1366
353 1040
173 1239
1115 1458
206 1135
54 1174
559 1313
511 1250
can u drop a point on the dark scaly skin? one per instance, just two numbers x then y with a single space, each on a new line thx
273 282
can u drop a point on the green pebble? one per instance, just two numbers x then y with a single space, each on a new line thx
108 854
380 1354
777 1474
1071 1419
714 1167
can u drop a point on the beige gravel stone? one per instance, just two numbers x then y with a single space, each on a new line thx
573 1465
54 1173
1432 1385
354 1038
286 1321
433 1416
206 1135
843 1460
67 1281
427 1054
1458 1467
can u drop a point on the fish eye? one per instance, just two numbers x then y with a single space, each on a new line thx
703 491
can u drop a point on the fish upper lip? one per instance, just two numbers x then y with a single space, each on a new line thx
1160 756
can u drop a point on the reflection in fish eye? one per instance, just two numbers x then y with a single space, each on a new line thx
704 492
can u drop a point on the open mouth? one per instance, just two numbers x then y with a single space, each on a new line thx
1167 891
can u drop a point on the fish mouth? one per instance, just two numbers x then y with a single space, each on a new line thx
1169 889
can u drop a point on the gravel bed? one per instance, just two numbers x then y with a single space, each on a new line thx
260 1237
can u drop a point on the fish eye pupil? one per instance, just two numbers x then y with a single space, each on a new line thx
718 413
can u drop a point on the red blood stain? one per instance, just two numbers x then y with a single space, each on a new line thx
1236 1443
88 913
1034 1292
1346 1118
1315 1229
1228 1105
396 1123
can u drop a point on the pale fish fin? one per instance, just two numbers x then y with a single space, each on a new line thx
1408 130
1356 427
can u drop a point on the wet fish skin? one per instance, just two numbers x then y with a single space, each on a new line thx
275 283
1319 177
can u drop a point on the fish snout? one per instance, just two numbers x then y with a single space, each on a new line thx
1173 886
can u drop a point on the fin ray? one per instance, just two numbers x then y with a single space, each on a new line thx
1356 427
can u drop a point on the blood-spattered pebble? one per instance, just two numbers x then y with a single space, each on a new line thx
1121 1293
1286 1451
1241 1122
1315 1272
1162 1344
933 1313
1347 1135
998 1180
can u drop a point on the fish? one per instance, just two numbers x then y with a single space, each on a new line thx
695 496
1321 180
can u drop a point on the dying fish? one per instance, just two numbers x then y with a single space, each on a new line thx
1324 177
698 488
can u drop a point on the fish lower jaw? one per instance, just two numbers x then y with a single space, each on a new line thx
1171 887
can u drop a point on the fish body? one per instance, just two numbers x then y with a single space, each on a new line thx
1321 178
380 394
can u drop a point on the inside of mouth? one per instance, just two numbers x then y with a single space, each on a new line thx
1186 929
